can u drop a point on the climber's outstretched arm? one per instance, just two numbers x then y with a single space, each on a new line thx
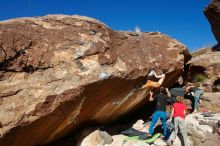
151 96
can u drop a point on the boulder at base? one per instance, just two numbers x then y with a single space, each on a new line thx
60 72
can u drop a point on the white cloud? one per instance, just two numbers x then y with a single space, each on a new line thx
137 29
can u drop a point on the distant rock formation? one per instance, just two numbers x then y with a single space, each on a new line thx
212 12
59 72
204 67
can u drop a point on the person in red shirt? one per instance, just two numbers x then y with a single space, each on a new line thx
178 113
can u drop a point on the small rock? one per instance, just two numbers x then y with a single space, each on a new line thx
160 142
135 143
138 125
97 138
117 140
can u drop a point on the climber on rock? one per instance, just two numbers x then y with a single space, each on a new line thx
153 84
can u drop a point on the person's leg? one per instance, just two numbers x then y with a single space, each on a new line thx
150 83
171 138
170 128
183 130
174 133
198 93
155 117
176 123
163 120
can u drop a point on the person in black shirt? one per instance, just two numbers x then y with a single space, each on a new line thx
160 111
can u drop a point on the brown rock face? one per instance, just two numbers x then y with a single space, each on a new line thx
204 67
59 72
212 12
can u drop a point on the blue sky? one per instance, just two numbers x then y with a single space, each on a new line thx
181 19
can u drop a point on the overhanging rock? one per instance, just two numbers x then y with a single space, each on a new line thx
212 13
58 72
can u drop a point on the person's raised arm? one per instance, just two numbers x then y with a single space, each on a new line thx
184 112
151 96
168 92
188 88
171 115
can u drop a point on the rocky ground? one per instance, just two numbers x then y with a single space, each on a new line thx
199 132
202 131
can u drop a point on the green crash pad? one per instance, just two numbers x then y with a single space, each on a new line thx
136 138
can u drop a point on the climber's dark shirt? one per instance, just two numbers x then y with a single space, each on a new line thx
161 102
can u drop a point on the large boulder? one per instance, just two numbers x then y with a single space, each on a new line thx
212 104
212 12
200 129
61 72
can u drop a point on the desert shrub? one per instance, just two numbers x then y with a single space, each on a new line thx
200 78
